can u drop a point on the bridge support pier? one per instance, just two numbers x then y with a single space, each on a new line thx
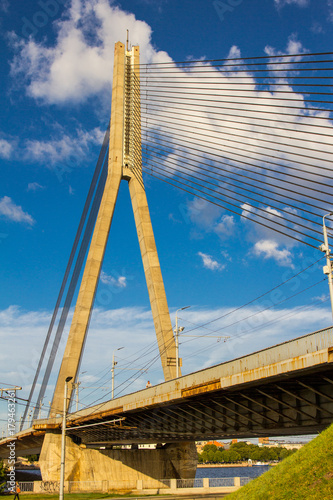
121 468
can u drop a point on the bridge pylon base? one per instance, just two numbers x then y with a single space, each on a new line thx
120 467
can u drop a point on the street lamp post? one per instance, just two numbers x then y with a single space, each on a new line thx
328 268
63 442
112 371
177 331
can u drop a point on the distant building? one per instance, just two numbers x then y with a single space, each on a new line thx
277 444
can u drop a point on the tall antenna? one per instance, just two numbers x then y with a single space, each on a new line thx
127 40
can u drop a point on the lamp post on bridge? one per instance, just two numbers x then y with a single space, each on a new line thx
328 268
63 442
177 331
112 371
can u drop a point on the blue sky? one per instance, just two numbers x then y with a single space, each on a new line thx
56 67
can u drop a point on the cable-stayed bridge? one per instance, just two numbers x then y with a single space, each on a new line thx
252 136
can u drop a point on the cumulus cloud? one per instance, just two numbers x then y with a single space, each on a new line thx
80 64
10 211
63 147
119 282
269 249
210 263
210 218
6 148
34 186
266 243
225 227
269 219
299 3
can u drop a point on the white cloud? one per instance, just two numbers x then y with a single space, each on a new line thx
274 220
225 227
202 213
6 148
4 5
10 211
300 3
63 148
80 64
250 329
119 282
210 263
207 217
34 186
269 249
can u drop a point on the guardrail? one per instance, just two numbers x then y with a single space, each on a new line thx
143 486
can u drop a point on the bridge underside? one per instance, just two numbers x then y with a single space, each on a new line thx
299 404
283 390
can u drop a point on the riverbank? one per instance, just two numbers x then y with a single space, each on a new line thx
207 466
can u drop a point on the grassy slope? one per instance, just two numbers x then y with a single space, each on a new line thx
308 474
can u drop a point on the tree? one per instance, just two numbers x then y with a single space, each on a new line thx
284 453
273 455
209 447
234 456
218 457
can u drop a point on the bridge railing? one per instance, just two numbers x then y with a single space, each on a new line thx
227 484
190 483
220 482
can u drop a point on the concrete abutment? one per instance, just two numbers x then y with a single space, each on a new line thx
122 467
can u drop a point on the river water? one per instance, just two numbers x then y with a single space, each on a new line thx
212 472
254 471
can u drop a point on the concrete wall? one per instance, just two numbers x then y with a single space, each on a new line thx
118 466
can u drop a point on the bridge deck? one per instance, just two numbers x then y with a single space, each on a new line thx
283 390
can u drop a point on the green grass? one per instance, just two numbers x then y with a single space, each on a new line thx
308 474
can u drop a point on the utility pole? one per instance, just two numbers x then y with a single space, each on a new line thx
76 386
63 441
177 332
114 363
8 389
328 268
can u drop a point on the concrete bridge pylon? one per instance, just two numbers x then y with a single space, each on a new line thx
125 163
177 460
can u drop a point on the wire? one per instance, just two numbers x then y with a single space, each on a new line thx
261 296
262 310
70 263
159 152
152 349
220 149
248 198
245 209
259 58
165 138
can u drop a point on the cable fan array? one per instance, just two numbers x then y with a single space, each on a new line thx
253 136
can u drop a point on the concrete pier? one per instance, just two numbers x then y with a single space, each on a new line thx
177 460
